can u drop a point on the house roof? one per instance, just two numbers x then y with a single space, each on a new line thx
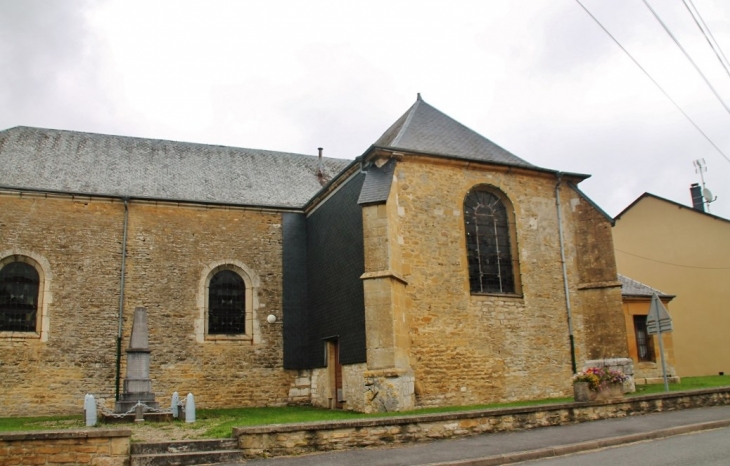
631 287
681 206
424 129
98 164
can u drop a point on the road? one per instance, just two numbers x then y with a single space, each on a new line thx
708 448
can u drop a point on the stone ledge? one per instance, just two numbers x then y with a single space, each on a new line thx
64 434
460 415
383 274
597 285
288 439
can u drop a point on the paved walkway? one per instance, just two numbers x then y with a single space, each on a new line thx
510 447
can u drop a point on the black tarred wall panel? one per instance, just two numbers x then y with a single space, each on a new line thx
297 321
323 258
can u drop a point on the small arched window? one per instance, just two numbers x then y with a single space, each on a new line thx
490 243
19 287
226 304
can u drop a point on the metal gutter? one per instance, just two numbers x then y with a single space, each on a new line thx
151 199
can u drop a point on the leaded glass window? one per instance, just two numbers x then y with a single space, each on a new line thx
226 303
19 284
488 242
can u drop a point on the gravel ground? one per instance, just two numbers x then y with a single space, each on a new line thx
164 431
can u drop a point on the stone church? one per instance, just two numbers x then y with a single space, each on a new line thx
435 269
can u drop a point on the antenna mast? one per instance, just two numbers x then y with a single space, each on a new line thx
701 168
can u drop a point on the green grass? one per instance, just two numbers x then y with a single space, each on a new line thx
217 423
9 424
687 383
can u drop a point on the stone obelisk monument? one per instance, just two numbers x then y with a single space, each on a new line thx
137 383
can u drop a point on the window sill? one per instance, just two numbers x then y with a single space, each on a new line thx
223 337
498 295
19 335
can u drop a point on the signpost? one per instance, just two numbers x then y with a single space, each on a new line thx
657 322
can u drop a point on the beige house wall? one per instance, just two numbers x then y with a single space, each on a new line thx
169 250
684 253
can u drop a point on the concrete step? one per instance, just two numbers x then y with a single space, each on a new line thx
191 452
187 458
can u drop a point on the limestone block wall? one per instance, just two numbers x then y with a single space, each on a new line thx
109 447
481 348
599 292
169 248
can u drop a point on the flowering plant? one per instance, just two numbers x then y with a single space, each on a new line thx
598 378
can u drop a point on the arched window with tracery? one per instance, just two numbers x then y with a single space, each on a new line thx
19 287
490 242
226 304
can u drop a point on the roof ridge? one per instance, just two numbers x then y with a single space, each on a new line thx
411 112
164 141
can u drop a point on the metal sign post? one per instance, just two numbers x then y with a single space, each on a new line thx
657 322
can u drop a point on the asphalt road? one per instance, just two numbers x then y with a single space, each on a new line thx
708 448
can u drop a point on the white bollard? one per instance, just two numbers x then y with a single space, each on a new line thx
190 408
173 405
90 410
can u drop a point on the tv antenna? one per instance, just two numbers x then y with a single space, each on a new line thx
701 168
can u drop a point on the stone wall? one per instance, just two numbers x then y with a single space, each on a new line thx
467 348
107 447
169 250
297 439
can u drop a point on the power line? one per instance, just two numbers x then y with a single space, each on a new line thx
676 265
697 68
705 31
654 81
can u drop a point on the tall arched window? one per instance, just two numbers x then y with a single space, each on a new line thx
19 287
490 243
226 304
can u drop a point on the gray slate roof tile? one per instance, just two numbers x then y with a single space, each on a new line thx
378 181
424 129
56 160
631 287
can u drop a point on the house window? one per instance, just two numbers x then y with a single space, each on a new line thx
226 304
644 341
19 287
490 242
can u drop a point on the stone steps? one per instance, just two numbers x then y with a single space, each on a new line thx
193 452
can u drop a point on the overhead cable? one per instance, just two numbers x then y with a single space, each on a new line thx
654 81
671 263
708 34
697 68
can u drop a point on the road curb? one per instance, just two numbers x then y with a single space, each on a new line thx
516 457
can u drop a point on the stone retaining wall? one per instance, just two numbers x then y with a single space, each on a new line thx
322 436
99 447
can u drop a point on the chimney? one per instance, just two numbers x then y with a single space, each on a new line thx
320 169
698 203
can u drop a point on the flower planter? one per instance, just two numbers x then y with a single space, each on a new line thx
582 392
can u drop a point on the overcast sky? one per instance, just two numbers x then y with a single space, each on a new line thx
539 78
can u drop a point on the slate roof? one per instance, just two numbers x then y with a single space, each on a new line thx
378 181
424 129
631 287
99 164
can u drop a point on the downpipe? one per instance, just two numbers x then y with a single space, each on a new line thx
121 299
571 337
